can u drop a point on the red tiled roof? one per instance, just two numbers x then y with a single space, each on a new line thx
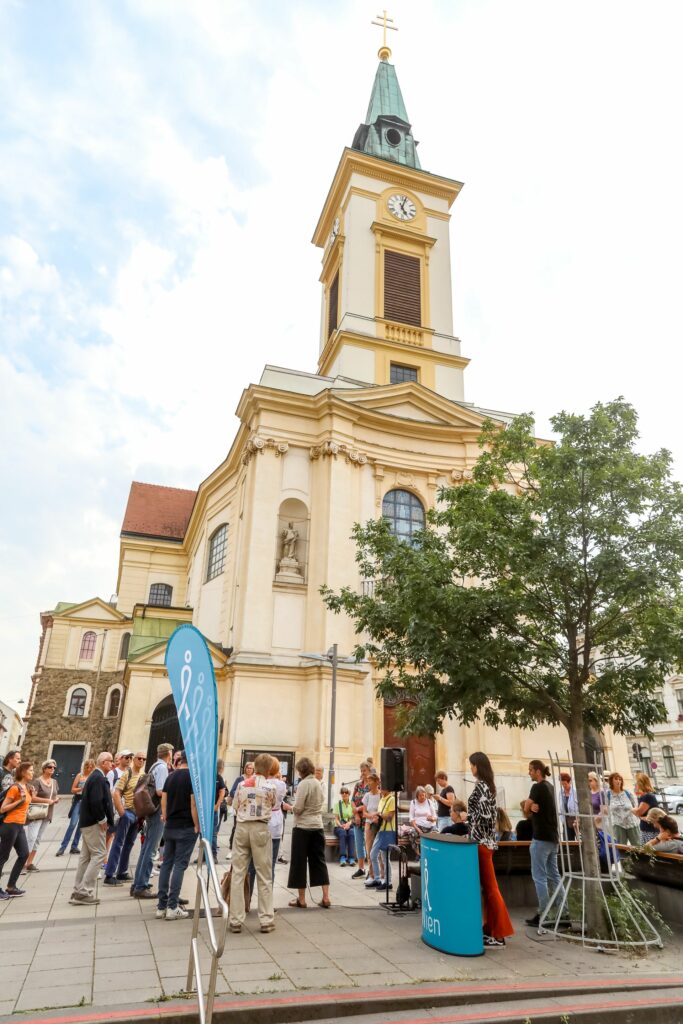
155 511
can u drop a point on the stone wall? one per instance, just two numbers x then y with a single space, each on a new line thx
48 723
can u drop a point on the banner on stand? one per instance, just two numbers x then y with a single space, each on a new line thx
190 671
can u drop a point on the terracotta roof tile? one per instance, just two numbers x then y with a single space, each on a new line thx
155 511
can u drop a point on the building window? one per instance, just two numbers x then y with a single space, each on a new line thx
333 305
88 646
679 701
645 759
79 698
669 762
398 374
402 294
405 514
160 595
114 703
217 548
125 646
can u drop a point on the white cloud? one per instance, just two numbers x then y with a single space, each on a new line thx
162 176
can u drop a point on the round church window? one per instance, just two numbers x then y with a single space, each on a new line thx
393 136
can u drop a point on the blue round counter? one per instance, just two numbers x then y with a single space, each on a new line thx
451 897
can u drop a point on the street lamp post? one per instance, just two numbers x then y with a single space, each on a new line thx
333 725
332 657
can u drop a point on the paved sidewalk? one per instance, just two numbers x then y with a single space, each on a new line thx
117 953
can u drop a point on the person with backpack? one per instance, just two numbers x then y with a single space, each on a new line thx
116 868
147 805
622 804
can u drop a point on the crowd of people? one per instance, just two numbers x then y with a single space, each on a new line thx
116 799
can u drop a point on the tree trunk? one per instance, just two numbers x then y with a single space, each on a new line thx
596 925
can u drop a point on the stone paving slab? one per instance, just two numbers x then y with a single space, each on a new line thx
117 953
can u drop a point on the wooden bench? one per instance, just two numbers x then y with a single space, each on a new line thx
649 866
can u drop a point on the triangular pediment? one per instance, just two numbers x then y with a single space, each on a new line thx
94 608
413 401
154 656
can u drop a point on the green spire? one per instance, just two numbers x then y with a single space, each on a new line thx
386 132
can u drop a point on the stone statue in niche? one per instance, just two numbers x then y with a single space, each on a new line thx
289 569
289 538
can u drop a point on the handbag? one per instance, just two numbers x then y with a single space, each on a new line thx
37 812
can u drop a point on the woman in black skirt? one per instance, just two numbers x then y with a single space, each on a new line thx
308 838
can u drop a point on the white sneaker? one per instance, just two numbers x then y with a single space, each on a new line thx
155 871
176 914
160 914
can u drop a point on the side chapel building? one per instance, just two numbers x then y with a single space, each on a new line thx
376 430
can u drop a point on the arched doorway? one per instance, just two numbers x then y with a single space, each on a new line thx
165 728
419 751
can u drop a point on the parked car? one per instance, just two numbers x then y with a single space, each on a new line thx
672 798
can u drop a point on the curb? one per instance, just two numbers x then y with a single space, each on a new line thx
610 996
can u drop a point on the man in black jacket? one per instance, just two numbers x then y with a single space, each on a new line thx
96 813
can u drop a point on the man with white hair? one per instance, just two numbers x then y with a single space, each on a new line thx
96 814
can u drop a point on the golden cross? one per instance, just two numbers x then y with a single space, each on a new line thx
384 51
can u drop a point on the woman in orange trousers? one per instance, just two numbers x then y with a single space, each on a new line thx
481 818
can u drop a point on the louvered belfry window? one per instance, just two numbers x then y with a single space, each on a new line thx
332 304
402 300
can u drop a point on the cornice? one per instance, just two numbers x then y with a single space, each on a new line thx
381 170
404 348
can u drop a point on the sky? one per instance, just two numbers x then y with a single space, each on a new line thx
162 167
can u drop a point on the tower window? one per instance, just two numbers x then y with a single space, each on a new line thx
398 374
393 136
217 546
88 646
332 305
402 293
160 595
405 514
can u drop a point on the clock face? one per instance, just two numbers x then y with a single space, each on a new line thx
402 207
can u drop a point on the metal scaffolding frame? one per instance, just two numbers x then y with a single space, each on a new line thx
556 915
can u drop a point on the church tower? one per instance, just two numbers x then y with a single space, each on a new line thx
387 312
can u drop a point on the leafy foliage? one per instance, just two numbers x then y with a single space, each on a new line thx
548 589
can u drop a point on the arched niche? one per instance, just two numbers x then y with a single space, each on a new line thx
291 551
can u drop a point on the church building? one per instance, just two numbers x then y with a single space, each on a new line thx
376 430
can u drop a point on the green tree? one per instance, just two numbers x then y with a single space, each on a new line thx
546 590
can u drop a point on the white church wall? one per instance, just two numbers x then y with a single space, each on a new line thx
289 612
356 362
358 266
448 381
441 313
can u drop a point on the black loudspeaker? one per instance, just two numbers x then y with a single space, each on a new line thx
393 768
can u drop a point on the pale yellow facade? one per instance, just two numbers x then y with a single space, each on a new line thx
322 450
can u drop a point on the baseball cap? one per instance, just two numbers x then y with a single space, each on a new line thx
125 753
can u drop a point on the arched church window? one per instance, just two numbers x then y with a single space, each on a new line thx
160 595
88 646
405 514
217 549
114 703
125 646
79 698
